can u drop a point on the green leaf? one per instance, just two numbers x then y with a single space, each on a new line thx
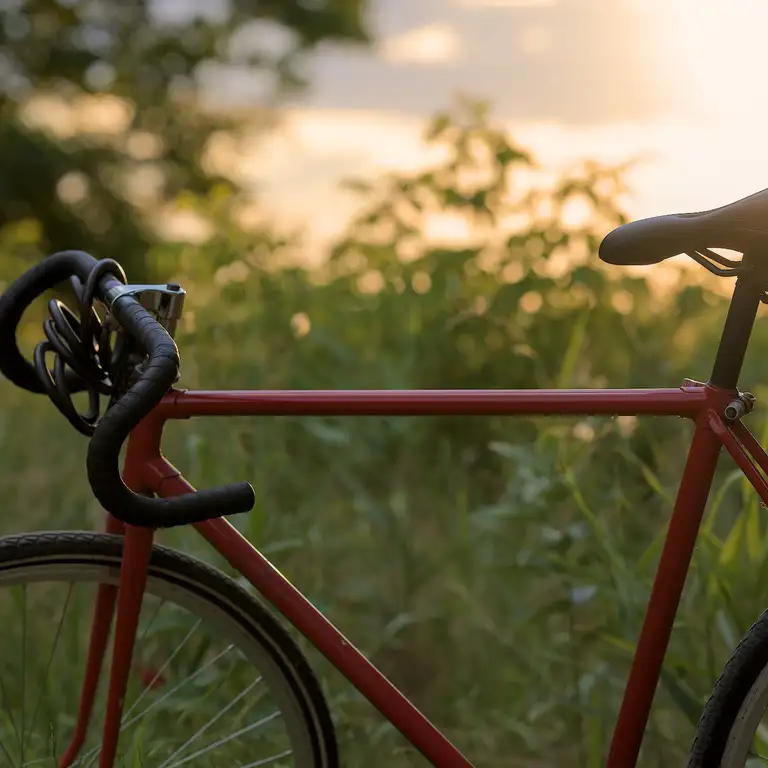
440 123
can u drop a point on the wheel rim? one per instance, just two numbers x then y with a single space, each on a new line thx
202 692
741 749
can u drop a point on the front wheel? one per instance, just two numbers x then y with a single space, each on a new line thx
733 729
215 680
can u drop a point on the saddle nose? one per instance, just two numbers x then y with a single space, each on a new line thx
739 226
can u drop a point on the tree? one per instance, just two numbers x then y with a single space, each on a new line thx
103 112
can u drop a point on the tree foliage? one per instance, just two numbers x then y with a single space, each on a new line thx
102 104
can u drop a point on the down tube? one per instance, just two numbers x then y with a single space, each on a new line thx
243 556
665 595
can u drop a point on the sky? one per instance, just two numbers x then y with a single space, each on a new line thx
675 83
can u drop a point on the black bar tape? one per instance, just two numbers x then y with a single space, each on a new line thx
157 378
19 295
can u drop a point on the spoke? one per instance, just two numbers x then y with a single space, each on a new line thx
214 719
179 685
93 753
10 715
54 746
162 669
160 605
268 760
50 657
229 738
23 663
36 762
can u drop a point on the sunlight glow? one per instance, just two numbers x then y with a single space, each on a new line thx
432 44
721 44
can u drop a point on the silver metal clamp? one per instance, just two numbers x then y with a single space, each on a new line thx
165 302
739 407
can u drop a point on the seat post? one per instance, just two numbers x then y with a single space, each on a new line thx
749 290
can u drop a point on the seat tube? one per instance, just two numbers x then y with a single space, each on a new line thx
665 596
747 295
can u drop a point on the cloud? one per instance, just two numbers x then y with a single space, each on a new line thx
431 44
581 61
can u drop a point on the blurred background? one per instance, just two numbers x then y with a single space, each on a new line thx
410 193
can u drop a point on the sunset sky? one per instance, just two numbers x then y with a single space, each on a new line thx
677 82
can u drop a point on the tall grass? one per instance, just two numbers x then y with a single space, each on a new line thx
497 569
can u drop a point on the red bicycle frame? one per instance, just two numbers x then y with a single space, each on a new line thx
148 471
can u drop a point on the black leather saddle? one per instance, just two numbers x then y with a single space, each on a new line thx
741 226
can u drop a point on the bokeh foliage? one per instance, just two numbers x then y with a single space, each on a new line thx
105 109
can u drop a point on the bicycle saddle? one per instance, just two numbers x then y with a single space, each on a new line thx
739 226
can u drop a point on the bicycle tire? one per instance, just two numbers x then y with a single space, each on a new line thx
723 732
25 554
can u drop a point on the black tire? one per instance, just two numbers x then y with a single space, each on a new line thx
721 716
184 574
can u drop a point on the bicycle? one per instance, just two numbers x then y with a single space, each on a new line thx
125 352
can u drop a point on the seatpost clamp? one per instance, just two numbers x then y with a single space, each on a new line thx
739 407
